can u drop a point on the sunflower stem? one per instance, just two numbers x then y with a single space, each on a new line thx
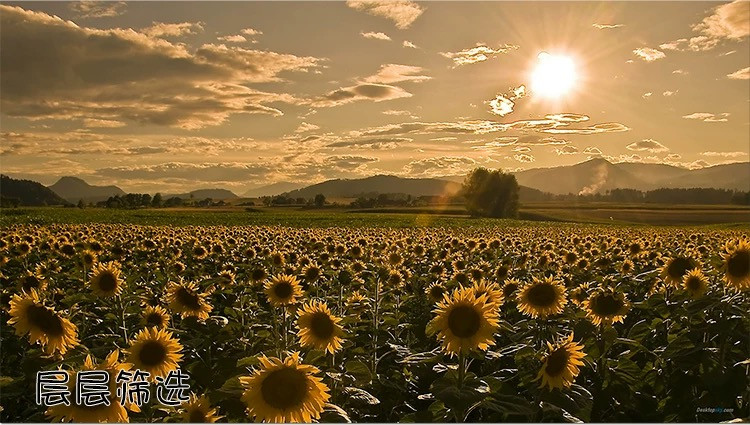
284 328
375 327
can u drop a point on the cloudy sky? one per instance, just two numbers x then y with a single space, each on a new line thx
183 95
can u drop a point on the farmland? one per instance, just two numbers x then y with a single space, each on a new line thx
378 317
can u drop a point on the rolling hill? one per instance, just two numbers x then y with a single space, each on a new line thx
72 189
350 188
215 194
600 175
27 193
272 189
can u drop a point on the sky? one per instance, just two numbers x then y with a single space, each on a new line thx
173 96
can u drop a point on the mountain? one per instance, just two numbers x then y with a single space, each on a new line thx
272 189
350 188
72 189
600 175
200 194
27 193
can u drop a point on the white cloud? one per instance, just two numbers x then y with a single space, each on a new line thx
402 12
394 73
607 26
93 123
648 54
375 36
648 145
725 154
409 44
646 95
251 32
236 38
742 74
707 117
523 157
503 104
161 29
97 9
669 93
305 127
477 54
440 166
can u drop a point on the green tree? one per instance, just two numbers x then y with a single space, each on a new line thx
491 193
157 200
320 200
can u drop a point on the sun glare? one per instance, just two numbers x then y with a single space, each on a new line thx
553 75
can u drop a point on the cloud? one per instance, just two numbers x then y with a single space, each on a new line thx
402 12
648 145
397 112
393 73
477 54
742 74
93 123
373 144
648 54
233 38
707 117
607 26
503 104
524 157
161 29
362 91
646 95
440 166
566 150
669 93
680 72
305 127
97 9
608 127
409 44
728 21
592 150
119 74
375 36
725 154
251 32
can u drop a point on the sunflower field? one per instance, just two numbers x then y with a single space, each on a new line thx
557 323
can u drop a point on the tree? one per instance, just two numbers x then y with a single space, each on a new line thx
157 200
491 193
320 200
81 204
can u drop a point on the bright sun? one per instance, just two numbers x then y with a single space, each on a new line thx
553 76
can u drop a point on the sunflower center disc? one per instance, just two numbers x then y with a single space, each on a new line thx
693 283
188 299
283 290
678 267
197 416
321 326
154 319
464 321
30 282
542 295
107 281
739 264
606 305
45 319
557 361
153 353
284 388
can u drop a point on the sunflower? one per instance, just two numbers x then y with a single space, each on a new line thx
580 293
105 279
696 283
435 291
283 290
318 328
464 322
491 290
356 303
198 410
675 269
184 298
541 298
156 316
115 412
510 286
88 258
560 365
43 324
33 280
155 351
605 306
284 391
737 265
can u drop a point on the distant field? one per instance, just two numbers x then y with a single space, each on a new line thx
449 216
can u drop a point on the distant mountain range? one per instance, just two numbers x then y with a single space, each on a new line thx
27 193
73 189
272 189
600 175
200 194
350 188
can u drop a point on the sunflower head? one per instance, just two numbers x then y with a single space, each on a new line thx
33 280
491 291
319 328
737 265
435 291
695 282
105 279
356 303
43 324
155 351
283 290
186 299
198 410
284 391
560 364
541 298
464 322
155 316
605 306
676 268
